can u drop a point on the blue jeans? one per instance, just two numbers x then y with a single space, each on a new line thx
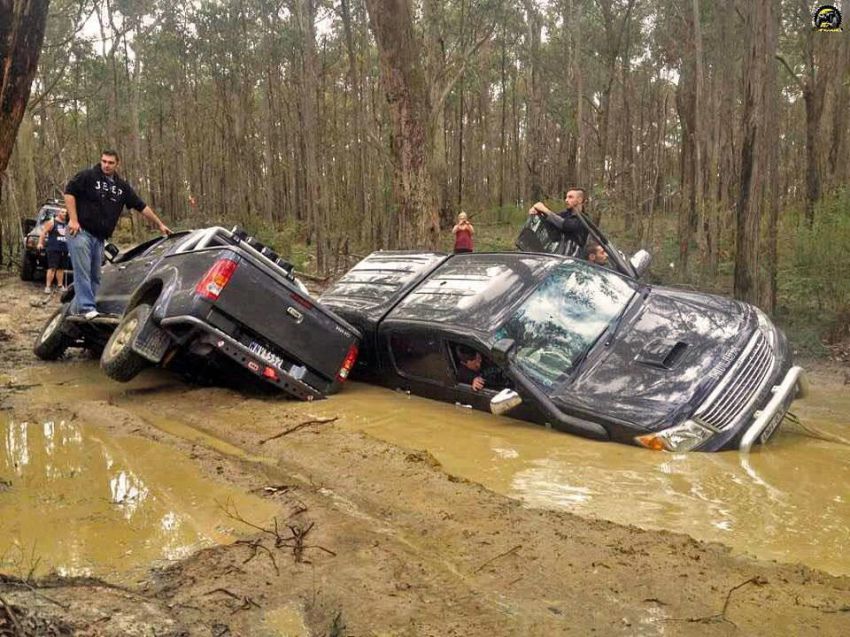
86 258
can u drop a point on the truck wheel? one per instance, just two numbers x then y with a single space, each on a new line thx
118 360
52 342
27 268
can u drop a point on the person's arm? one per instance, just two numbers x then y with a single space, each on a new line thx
538 209
73 189
150 215
73 222
478 383
471 228
135 202
456 229
47 227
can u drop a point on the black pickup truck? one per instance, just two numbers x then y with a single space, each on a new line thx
208 293
580 347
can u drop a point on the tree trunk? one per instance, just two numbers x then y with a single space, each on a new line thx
22 24
316 206
756 156
535 106
409 104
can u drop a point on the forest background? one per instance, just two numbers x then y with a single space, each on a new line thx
714 134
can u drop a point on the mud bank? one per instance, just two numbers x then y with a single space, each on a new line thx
363 537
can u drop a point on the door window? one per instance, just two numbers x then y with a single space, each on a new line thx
421 357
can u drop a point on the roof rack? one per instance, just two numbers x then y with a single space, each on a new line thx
216 235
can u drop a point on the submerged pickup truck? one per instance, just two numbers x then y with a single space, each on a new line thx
208 293
582 348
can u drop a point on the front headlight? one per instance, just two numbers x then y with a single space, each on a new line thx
689 435
767 328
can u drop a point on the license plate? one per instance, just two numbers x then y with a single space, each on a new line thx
265 355
768 431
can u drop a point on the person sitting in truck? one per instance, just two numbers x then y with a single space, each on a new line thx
475 370
595 253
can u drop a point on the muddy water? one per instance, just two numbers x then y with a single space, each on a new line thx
78 502
788 501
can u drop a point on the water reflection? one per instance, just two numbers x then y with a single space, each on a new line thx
84 503
784 502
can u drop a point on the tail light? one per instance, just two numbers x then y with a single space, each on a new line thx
347 363
216 279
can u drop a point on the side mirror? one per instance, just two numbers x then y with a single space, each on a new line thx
504 401
640 262
500 351
110 251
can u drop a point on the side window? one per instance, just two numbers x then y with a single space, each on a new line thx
420 357
469 363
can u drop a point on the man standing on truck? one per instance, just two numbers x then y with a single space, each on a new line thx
567 221
95 198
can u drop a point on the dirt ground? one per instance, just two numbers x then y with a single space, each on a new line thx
378 540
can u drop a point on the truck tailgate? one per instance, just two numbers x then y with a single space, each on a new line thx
291 322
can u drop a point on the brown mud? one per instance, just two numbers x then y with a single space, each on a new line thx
360 537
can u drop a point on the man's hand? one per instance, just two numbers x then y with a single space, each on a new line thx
73 227
164 229
538 209
478 383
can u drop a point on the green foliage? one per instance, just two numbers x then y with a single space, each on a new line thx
814 274
286 240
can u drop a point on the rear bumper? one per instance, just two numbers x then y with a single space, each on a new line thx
246 358
767 420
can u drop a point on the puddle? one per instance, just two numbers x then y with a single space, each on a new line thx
80 502
286 621
787 502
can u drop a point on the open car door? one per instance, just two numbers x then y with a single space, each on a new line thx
538 236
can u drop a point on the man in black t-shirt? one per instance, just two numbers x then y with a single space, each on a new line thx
574 231
95 198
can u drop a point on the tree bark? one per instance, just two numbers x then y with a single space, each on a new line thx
409 104
756 156
22 24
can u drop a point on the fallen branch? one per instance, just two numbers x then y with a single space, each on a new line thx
246 601
256 545
11 615
286 432
294 541
721 616
500 555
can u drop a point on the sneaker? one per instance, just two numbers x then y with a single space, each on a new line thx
47 290
91 314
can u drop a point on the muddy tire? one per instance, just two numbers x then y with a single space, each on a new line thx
27 268
52 341
118 360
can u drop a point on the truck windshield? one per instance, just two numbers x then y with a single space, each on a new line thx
563 318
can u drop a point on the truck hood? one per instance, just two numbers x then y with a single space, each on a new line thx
669 352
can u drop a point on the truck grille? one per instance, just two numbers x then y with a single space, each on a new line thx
728 402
